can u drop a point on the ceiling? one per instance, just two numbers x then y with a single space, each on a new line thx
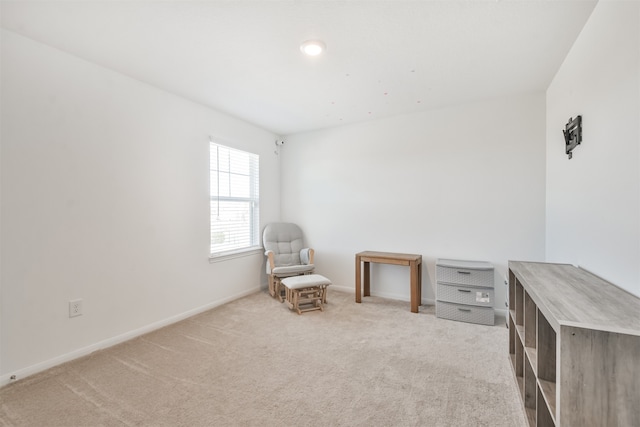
383 58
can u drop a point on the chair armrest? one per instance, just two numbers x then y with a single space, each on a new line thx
269 254
306 256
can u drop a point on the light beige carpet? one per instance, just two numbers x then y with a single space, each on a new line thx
253 362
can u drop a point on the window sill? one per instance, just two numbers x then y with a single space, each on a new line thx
224 256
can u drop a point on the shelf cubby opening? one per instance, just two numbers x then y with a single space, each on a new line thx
530 310
546 370
546 350
520 332
512 336
531 416
519 293
547 396
532 355
544 416
530 386
519 366
529 339
512 291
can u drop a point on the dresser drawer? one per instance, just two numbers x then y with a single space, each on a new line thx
465 313
469 295
465 276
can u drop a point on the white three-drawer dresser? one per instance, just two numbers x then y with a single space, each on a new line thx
464 291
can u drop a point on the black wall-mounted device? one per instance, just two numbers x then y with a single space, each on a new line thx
572 134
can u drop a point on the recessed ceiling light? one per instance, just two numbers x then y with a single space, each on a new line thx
313 47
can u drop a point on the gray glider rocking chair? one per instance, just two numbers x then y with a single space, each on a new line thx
286 254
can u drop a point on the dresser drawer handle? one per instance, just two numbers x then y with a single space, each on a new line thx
464 290
464 272
464 309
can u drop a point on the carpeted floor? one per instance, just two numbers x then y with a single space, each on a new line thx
253 362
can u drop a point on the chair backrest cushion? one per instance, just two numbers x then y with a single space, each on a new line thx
285 240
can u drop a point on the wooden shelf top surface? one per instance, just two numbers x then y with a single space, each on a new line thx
572 296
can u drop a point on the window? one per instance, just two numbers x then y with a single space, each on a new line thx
235 202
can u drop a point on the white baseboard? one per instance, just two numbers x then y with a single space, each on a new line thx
42 366
499 311
347 289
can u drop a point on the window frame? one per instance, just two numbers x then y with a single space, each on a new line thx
253 199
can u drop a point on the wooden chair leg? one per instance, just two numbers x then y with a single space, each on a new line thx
272 291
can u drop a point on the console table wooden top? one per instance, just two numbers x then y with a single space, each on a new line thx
414 262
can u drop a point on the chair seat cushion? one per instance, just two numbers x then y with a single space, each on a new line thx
291 270
306 281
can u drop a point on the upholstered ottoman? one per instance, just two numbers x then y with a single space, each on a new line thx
308 290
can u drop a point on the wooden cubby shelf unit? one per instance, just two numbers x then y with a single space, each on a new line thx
574 346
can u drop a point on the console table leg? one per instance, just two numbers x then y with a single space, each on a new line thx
358 281
367 276
415 290
420 284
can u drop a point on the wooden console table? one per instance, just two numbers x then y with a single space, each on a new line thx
413 261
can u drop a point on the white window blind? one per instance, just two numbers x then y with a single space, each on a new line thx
235 201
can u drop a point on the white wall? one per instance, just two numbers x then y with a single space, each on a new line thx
593 200
105 198
104 191
463 182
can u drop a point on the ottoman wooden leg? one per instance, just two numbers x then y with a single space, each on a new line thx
279 290
324 294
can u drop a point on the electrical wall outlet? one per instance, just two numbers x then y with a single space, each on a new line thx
75 307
